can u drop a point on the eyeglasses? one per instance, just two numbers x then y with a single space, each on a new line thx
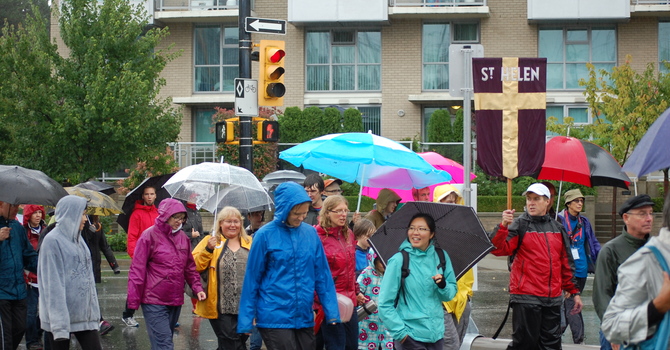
642 215
179 218
232 222
333 191
420 229
339 212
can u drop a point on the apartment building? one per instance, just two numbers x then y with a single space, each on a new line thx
389 58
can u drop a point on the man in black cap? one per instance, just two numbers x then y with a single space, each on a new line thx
637 214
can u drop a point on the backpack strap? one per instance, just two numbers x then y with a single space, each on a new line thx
443 260
660 258
404 272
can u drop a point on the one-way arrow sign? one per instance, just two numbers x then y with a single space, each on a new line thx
264 25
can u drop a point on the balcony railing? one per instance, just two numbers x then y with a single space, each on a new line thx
437 3
189 153
650 2
194 5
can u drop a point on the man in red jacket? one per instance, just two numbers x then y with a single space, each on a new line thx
143 216
542 271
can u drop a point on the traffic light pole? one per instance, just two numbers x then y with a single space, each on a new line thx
246 141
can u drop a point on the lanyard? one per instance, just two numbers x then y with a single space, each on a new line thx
575 233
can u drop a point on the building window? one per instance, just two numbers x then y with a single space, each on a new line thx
663 45
343 60
436 38
216 58
202 125
569 49
579 113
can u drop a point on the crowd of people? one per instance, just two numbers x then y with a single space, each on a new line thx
309 279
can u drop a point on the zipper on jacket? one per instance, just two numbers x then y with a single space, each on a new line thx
551 271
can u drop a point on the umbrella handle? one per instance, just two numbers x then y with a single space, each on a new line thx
360 190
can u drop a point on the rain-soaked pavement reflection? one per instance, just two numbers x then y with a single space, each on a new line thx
195 333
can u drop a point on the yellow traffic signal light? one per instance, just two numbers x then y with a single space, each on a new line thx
225 132
268 131
271 73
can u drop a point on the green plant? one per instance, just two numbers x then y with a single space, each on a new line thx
160 164
439 126
118 241
352 121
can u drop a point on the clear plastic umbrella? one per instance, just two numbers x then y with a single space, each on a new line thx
215 185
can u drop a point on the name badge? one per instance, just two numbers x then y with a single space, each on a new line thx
575 253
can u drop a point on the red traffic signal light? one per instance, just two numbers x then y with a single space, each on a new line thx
271 73
268 131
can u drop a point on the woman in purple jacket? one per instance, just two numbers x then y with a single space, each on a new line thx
161 265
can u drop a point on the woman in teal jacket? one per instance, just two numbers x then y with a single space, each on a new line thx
417 322
286 266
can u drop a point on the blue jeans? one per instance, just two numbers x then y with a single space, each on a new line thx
604 343
255 341
33 328
341 336
161 321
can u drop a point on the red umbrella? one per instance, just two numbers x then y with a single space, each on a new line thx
581 162
438 161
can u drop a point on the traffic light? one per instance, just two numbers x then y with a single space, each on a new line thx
268 131
271 73
225 132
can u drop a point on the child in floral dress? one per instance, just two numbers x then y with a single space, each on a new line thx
372 334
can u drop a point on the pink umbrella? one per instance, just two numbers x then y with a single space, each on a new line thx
438 161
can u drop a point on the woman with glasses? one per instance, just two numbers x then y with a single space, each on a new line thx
224 255
160 267
339 244
585 247
410 304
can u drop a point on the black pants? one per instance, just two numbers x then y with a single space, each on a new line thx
225 328
89 340
128 312
411 344
288 339
576 321
535 327
13 314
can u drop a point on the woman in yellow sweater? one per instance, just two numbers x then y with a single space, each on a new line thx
457 311
224 255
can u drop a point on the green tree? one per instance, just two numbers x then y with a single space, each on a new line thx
353 121
96 109
439 126
332 121
624 104
14 12
457 127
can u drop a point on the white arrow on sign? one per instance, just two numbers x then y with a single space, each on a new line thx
258 25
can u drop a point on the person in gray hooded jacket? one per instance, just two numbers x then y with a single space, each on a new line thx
68 300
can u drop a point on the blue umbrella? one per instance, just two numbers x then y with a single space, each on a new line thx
365 158
651 153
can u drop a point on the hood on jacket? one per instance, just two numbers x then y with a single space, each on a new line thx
28 211
69 211
287 196
167 208
385 197
444 190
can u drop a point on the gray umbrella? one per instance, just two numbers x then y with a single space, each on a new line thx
281 176
99 186
19 185
457 230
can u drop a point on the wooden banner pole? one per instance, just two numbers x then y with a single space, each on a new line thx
509 193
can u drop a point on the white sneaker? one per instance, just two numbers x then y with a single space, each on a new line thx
130 321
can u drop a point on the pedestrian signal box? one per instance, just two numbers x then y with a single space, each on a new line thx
271 73
268 131
225 132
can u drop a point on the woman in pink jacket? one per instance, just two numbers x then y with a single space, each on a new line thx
161 265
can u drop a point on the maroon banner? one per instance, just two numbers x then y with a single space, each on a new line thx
510 103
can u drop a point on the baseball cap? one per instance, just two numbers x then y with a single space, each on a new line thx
638 201
572 195
538 189
329 182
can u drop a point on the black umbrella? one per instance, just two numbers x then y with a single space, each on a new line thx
99 186
457 230
156 182
19 185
